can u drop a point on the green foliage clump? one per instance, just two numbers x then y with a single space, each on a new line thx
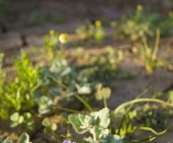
150 57
142 25
97 124
99 67
18 95
92 31
24 138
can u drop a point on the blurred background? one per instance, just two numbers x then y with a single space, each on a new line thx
19 14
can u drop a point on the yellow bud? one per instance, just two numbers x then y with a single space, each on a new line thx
170 14
63 38
51 32
98 23
139 8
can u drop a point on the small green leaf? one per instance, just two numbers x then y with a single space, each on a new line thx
27 115
46 122
47 130
104 117
7 140
14 117
30 123
14 124
21 119
24 138
74 120
53 126
96 132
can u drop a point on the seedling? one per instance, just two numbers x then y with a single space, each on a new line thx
92 31
24 138
149 57
25 119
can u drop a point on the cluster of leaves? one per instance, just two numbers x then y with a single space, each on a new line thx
92 31
150 57
51 84
97 124
55 83
142 25
24 138
152 116
116 126
18 95
99 68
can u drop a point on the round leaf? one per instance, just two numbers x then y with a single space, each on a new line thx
14 117
46 122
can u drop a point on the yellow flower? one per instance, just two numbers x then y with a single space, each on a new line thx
63 38
98 23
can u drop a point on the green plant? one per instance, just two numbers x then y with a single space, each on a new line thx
149 57
104 129
24 138
134 27
89 31
118 125
97 124
49 127
26 119
50 45
98 67
143 25
15 94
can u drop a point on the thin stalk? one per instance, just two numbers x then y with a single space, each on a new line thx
117 110
156 45
142 140
67 109
105 102
151 130
145 48
76 95
145 91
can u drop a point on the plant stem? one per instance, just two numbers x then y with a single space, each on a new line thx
156 45
67 109
104 100
140 100
145 91
76 95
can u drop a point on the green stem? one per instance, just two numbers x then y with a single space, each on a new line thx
145 48
151 130
104 100
117 110
67 109
156 45
145 91
76 95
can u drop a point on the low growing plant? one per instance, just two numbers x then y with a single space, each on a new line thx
92 31
24 138
149 57
143 25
